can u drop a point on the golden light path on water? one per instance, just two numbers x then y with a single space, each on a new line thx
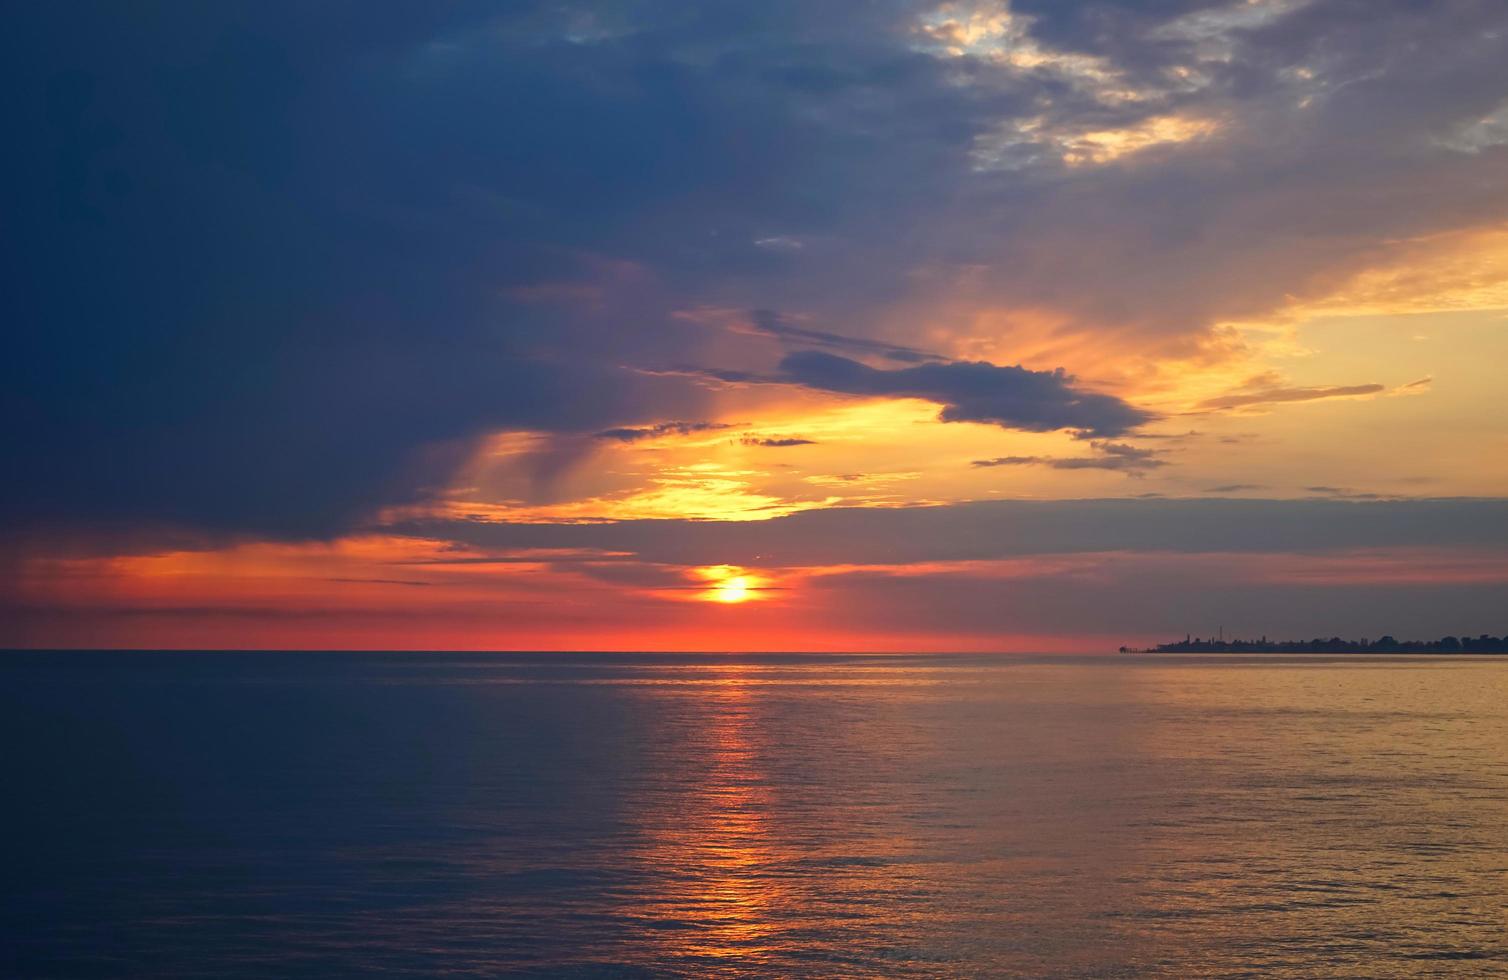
1155 818
745 815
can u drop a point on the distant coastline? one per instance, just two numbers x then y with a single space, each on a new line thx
1485 643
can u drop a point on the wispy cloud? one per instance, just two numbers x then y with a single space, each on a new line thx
776 442
1120 457
771 324
1344 493
661 430
1276 396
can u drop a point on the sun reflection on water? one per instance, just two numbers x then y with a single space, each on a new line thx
719 839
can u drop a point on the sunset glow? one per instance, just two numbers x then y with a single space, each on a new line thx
730 584
735 589
1164 284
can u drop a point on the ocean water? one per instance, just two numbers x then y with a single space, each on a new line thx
349 815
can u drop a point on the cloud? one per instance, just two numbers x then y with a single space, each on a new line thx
780 243
771 324
1265 389
659 430
776 443
982 530
974 391
283 324
1305 91
1235 488
1118 456
860 479
1273 396
379 581
1344 493
1171 436
277 269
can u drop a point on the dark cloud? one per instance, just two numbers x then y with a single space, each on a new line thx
1118 456
1007 528
1235 488
632 434
771 324
974 391
1171 436
776 443
1324 118
260 282
1344 493
274 274
275 266
381 581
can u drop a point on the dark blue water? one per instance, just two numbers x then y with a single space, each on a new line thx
285 815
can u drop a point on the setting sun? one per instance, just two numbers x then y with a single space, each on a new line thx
732 590
729 584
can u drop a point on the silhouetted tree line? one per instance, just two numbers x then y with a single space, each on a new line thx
1486 643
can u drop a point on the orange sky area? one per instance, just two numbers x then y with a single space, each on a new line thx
391 592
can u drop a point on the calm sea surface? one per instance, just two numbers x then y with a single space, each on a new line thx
346 815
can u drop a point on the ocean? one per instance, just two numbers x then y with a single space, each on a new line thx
473 815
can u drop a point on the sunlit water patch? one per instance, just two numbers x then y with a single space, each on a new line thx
377 814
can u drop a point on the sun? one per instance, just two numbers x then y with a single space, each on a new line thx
735 589
729 584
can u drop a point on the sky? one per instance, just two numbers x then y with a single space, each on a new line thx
875 326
